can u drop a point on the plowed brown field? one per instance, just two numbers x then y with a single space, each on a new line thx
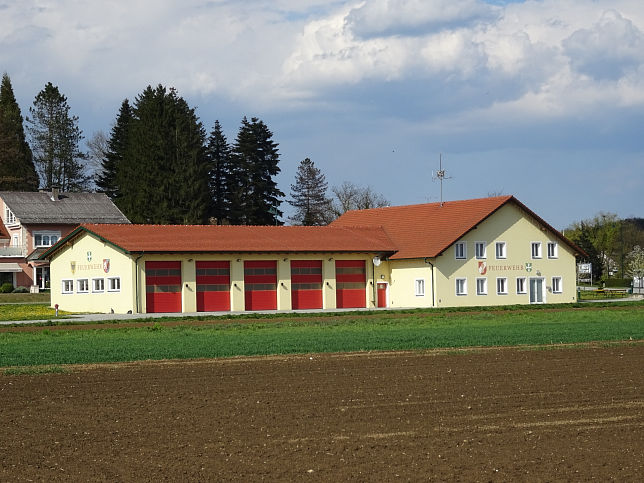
499 415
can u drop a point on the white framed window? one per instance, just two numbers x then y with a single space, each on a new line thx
67 286
502 286
82 285
556 285
98 285
45 238
521 285
9 217
461 286
419 285
481 286
536 249
480 249
15 240
114 284
501 250
553 250
460 250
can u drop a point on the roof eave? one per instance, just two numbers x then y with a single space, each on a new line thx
74 234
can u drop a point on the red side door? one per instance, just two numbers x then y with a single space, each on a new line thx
260 285
351 282
213 286
306 284
163 286
382 294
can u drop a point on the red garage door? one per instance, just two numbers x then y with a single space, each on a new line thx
351 282
260 285
163 286
213 286
306 284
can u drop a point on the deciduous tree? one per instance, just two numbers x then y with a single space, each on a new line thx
349 196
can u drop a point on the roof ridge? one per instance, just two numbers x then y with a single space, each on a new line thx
469 200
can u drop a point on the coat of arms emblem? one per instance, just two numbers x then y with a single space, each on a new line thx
106 265
73 266
482 268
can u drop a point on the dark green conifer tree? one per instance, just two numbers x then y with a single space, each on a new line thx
55 140
163 176
219 175
308 196
256 158
107 180
17 171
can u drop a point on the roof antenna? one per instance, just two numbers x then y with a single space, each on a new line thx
440 175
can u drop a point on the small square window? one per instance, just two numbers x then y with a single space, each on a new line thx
461 286
98 285
501 252
502 286
481 286
82 285
114 284
420 287
553 250
480 249
459 250
521 285
68 286
536 249
556 284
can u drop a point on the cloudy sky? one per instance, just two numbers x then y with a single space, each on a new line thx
542 99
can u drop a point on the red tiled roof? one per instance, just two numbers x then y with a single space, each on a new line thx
212 238
427 230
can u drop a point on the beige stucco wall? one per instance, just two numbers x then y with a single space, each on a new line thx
518 231
72 264
189 287
402 287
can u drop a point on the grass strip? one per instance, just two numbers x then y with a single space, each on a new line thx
331 334
34 311
20 371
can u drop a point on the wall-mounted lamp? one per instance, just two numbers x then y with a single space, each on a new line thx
331 259
538 273
282 284
189 259
328 285
370 282
382 277
285 260
239 259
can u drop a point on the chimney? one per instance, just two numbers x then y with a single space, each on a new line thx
54 193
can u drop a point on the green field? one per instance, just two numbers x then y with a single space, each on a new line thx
337 333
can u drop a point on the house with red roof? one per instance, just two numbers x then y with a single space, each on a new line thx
34 221
489 251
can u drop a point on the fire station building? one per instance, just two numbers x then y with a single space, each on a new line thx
488 251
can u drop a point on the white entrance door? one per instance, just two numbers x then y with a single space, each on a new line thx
536 291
